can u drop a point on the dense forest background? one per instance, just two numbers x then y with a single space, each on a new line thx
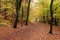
39 11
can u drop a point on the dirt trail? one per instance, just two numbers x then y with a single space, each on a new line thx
35 31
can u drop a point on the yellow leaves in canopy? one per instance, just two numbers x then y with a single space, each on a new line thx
9 5
36 11
2 0
34 14
24 4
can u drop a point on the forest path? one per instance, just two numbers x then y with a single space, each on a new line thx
35 31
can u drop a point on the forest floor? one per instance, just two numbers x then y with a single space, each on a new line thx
34 31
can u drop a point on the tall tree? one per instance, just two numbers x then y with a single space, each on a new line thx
51 11
56 19
28 12
0 5
18 6
22 16
5 17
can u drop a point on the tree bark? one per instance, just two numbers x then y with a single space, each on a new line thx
18 6
56 21
22 17
44 19
51 11
22 14
5 17
5 13
28 12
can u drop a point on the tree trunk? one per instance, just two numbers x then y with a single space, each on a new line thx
44 19
5 17
28 12
56 23
55 19
51 23
5 13
22 14
18 5
22 17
